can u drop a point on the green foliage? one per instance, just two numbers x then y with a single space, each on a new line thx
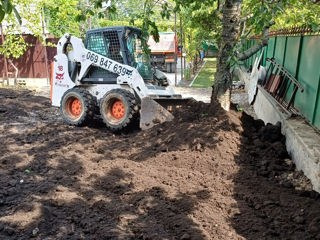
61 17
6 7
298 14
200 20
14 46
261 13
163 26
70 16
187 74
285 13
147 25
144 14
165 11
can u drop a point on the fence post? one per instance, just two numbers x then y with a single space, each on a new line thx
45 46
285 51
4 59
299 57
298 61
274 46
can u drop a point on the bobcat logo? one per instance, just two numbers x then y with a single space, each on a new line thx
59 76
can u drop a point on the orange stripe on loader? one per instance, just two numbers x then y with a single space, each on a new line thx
51 80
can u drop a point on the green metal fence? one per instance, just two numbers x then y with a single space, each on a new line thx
300 55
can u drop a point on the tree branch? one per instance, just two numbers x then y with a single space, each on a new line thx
248 17
244 28
220 5
254 49
271 2
245 34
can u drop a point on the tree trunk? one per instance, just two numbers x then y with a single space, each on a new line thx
221 90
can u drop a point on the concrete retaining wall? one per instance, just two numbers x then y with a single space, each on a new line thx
266 109
303 144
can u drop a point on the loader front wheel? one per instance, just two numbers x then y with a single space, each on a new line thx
77 107
118 109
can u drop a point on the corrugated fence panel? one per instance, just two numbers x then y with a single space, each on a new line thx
292 54
32 63
300 55
291 59
280 49
270 49
308 76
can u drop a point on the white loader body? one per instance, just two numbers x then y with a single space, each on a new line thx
128 77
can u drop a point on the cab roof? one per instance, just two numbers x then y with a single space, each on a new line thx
114 28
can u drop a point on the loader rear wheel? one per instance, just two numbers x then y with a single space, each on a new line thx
77 107
118 109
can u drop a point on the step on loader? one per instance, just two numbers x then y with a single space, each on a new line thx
111 75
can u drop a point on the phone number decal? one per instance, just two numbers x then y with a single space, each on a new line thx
106 64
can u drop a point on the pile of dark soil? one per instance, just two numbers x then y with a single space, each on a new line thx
206 175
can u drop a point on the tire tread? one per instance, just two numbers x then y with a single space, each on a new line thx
133 110
90 103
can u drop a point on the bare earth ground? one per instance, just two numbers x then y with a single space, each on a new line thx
206 175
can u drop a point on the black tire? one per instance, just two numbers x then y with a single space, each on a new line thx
119 109
77 107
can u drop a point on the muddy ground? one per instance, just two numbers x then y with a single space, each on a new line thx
206 175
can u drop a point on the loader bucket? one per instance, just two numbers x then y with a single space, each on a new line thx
156 111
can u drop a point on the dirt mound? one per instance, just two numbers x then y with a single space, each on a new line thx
206 175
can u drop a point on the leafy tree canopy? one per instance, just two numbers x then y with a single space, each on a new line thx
61 16
14 24
6 7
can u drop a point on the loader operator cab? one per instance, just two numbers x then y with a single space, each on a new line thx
137 58
114 51
124 45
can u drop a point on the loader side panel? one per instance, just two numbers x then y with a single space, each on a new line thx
61 81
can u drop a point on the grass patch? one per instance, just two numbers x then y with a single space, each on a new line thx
206 76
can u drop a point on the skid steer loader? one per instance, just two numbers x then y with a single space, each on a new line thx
109 74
